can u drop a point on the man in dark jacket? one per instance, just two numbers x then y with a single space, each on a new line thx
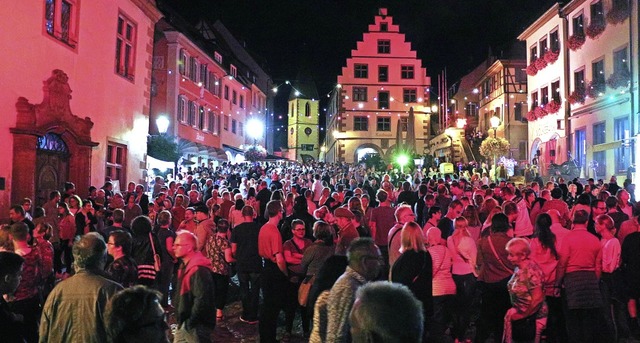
194 297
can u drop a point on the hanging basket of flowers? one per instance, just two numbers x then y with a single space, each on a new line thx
531 69
540 63
595 29
577 96
619 78
552 107
576 41
540 112
551 56
255 153
594 89
531 115
619 13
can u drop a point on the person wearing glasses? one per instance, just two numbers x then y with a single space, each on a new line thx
123 269
364 266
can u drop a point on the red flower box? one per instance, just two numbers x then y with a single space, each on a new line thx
552 107
540 63
619 13
575 42
531 115
540 112
619 79
577 96
531 69
551 56
595 29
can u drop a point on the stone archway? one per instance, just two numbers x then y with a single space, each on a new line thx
370 147
51 117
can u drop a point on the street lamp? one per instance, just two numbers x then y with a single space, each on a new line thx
255 128
163 124
495 122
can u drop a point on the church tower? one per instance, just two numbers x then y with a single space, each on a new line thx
303 120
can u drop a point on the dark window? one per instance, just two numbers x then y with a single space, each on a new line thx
116 162
581 148
226 123
211 122
360 124
543 46
359 94
578 25
306 147
554 40
234 97
125 47
383 100
384 46
599 133
407 72
555 91
578 79
534 100
471 109
242 101
384 27
621 132
409 95
383 73
307 110
597 71
533 54
234 125
361 71
182 64
384 124
601 170
65 21
204 74
517 113
193 69
201 118
181 108
597 13
620 61
522 151
226 92
544 94
192 113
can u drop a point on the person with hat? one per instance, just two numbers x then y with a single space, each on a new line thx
347 231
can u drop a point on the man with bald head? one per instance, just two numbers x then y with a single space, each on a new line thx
194 299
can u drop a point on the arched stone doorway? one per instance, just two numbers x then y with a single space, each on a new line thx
366 149
51 145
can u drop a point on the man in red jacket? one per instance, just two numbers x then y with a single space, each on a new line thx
194 298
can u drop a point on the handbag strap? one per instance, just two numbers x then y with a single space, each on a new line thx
495 253
444 256
153 246
424 263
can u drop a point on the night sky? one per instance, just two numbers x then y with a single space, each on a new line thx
286 34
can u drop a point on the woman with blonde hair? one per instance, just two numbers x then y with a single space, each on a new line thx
414 267
444 288
463 249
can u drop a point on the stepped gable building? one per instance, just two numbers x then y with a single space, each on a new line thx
383 78
75 94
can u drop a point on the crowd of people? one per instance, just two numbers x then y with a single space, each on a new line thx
360 255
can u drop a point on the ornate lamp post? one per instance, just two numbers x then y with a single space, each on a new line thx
495 122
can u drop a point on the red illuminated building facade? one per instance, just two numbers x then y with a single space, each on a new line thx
382 80
75 94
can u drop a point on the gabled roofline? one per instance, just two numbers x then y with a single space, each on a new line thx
543 19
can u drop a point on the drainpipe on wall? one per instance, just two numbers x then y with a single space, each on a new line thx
632 113
567 78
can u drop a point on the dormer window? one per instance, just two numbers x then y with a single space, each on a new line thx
384 27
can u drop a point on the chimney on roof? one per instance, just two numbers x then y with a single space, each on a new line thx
382 11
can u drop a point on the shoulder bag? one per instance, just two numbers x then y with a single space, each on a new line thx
157 261
495 253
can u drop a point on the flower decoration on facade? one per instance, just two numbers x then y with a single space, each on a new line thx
532 70
536 113
619 78
578 96
552 107
576 41
618 13
540 63
255 153
595 89
551 56
493 147
595 29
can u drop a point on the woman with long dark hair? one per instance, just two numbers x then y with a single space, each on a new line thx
544 251
495 270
